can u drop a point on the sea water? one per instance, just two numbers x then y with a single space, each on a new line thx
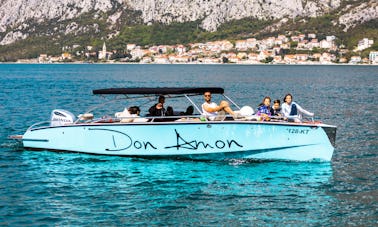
67 189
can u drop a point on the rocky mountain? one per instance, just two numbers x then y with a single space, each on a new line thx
20 19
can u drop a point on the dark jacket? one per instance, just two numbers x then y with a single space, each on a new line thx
153 111
274 112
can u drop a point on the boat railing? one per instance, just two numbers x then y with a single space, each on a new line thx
39 124
127 119
180 118
302 119
177 118
195 117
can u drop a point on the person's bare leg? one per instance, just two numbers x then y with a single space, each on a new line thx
229 110
226 107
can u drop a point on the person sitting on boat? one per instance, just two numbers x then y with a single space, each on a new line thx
189 111
211 109
275 111
292 111
158 109
128 114
169 111
263 110
134 111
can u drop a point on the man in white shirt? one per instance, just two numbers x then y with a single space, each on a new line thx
211 109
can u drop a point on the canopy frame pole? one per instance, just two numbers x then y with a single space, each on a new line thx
231 101
191 101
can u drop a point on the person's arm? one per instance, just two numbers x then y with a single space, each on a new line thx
300 109
209 109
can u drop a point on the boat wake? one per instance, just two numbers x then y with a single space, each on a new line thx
13 145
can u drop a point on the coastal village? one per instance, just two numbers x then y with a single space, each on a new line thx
298 49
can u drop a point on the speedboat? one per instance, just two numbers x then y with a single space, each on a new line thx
192 136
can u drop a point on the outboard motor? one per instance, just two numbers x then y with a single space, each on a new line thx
61 117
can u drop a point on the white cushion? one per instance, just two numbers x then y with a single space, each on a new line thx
246 111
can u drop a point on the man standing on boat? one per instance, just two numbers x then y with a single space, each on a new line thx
212 110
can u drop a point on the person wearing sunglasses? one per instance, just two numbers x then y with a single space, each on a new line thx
211 110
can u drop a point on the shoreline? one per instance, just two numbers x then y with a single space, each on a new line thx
196 63
191 63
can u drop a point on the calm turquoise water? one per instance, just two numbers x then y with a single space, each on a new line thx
64 189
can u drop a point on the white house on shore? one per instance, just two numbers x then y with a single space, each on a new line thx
364 44
373 57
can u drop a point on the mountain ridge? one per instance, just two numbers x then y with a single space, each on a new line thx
64 21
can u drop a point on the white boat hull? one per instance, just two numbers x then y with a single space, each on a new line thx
195 140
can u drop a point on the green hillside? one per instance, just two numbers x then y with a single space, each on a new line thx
175 33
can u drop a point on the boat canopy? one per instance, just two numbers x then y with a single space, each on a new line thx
158 91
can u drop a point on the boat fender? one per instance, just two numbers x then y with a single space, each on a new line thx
246 111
